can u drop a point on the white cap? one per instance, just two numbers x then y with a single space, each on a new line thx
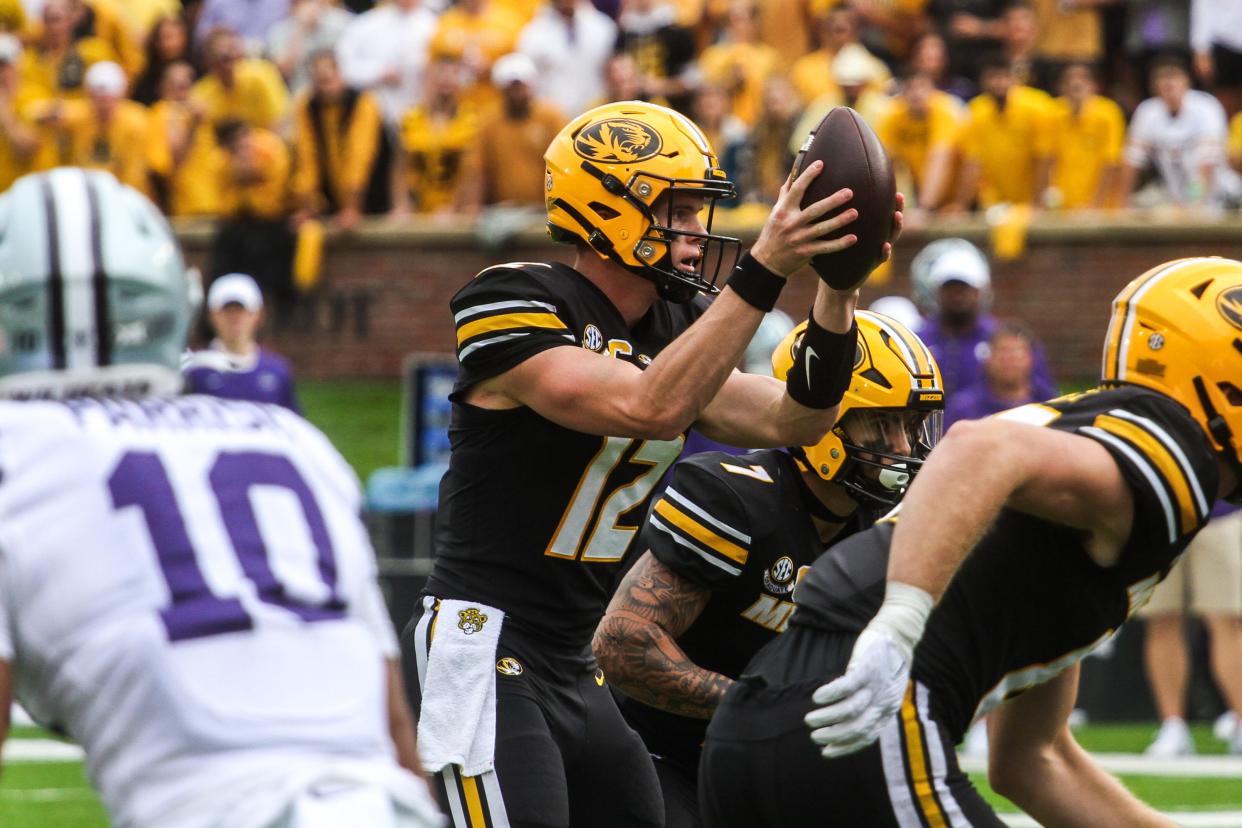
106 77
514 67
854 65
10 48
960 266
235 288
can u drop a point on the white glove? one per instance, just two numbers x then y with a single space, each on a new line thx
855 706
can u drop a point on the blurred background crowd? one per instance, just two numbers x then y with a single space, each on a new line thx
280 111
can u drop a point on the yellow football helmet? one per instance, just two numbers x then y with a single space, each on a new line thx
1177 329
605 171
896 378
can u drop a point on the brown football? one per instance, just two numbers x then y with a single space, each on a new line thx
853 157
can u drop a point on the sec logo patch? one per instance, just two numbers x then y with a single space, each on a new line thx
780 576
592 339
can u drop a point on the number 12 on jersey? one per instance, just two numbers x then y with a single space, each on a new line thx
141 480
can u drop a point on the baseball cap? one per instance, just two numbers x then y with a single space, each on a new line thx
853 66
514 67
235 288
106 77
960 266
10 48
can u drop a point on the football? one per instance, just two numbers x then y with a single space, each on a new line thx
853 157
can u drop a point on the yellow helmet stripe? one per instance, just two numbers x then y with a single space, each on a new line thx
910 347
508 321
1121 326
701 533
1174 475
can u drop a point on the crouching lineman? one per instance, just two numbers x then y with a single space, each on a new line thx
727 538
1058 519
185 587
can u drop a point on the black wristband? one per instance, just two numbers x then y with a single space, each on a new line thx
757 285
822 367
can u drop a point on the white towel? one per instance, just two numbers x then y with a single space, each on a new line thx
457 720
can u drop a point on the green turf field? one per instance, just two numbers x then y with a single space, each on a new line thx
56 794
362 418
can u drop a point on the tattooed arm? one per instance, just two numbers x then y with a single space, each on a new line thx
636 642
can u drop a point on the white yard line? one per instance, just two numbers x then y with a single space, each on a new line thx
41 750
1192 819
1133 764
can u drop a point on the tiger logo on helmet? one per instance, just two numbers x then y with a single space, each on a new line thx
895 381
1177 329
605 175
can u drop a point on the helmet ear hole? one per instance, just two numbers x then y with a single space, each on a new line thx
603 211
1233 394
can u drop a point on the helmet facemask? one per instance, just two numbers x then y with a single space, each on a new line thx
717 253
884 450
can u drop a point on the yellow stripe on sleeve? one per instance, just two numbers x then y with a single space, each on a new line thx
1165 462
700 532
925 796
508 321
474 803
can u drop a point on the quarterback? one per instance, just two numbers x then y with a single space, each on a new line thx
727 539
185 587
577 385
1027 539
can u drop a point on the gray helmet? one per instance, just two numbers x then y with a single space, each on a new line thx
945 260
95 298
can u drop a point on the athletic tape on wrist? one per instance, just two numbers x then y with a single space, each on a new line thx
822 367
903 615
758 286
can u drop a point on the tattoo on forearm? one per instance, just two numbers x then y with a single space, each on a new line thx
636 642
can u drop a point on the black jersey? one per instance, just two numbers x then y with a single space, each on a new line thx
739 527
1028 601
535 518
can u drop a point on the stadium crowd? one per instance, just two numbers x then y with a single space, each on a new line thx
280 111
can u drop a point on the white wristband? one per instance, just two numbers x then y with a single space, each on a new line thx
903 614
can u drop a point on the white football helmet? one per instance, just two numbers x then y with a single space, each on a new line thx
95 298
942 261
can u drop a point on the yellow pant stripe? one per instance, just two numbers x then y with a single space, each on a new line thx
1156 452
920 779
474 802
508 321
700 532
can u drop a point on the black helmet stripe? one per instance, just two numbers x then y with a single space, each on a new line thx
99 278
55 278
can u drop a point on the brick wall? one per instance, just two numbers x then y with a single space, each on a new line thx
385 290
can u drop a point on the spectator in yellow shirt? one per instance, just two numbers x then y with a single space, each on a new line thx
166 43
18 139
12 17
512 139
440 138
54 63
741 62
255 235
238 88
770 156
1006 145
1088 135
185 162
343 157
478 32
920 130
812 74
102 19
106 131
857 86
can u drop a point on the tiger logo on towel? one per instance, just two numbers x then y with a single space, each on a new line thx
471 620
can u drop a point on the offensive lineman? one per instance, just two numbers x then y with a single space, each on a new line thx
1039 531
576 387
729 536
185 587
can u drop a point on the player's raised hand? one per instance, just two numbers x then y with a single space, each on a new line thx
854 708
792 234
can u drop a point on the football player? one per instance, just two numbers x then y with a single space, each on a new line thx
726 541
577 385
1026 540
185 587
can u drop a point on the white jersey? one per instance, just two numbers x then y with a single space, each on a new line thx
187 591
1181 145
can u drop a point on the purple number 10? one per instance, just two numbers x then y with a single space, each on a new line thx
140 480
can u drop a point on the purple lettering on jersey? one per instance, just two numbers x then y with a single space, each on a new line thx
194 610
140 480
232 477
